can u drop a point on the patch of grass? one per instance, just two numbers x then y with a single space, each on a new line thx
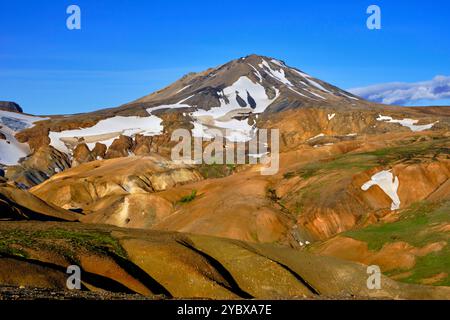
101 242
358 162
414 227
411 227
298 208
214 171
15 242
189 198
431 265
11 240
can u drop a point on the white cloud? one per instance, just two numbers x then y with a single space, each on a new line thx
402 93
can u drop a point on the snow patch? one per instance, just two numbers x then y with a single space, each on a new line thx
331 116
105 131
318 136
183 89
388 183
278 63
410 123
301 94
317 85
11 150
276 74
315 94
347 96
241 87
177 105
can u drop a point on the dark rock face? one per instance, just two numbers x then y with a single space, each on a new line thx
241 101
10 106
2 172
41 165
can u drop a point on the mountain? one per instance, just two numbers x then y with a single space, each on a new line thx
349 169
10 106
241 96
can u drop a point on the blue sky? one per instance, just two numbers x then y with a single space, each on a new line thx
127 49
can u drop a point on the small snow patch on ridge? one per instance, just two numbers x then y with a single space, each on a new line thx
318 136
331 116
388 183
410 123
182 89
276 74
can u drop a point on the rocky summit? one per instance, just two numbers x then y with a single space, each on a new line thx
357 184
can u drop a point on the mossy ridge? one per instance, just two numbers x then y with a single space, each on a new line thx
99 242
411 227
414 228
214 171
359 162
430 265
10 240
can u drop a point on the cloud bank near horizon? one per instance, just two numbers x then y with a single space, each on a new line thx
403 93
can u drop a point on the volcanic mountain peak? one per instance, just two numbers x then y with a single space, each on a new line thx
249 72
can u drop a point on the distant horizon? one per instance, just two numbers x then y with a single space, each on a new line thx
124 51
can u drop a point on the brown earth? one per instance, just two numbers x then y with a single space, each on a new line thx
251 207
395 255
180 265
16 204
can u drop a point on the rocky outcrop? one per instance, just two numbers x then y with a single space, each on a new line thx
10 106
82 154
117 190
41 165
121 147
16 204
143 145
99 151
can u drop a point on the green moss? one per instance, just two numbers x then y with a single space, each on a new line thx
101 242
358 162
11 241
414 227
15 242
431 265
189 198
